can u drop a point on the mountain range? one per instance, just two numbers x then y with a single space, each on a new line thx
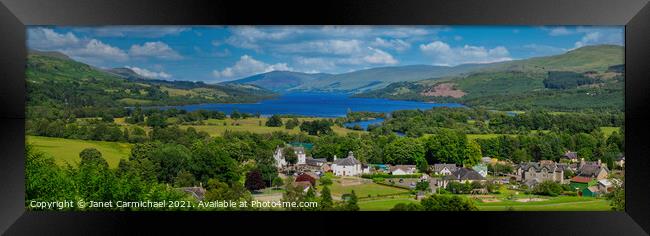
582 59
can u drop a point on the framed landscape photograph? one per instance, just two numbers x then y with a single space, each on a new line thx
502 120
325 118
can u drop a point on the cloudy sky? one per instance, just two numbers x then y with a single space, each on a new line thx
215 54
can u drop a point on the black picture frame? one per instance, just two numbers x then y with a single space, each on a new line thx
15 14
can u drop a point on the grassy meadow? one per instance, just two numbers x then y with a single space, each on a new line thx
67 150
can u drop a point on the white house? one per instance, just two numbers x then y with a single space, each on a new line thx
279 158
348 166
402 169
444 169
280 161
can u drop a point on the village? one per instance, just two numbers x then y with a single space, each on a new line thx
381 185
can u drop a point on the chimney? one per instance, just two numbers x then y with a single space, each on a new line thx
599 162
334 157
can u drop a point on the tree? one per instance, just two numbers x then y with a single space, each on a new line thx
292 123
108 118
235 115
184 179
351 202
440 202
254 181
217 191
92 156
325 180
171 158
289 155
274 121
156 120
269 172
472 154
548 188
326 202
617 199
422 165
403 151
407 207
317 127
209 160
446 146
422 186
277 182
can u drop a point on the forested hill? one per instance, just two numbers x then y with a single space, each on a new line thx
54 80
586 78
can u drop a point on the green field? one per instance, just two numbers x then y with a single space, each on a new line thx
561 203
596 205
67 150
363 190
383 204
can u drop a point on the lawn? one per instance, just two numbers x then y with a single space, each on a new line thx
67 150
593 205
363 190
383 204
561 203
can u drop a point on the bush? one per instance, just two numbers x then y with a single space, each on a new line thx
548 188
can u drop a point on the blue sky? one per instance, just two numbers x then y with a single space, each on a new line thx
222 53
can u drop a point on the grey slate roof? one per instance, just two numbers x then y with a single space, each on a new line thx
402 167
464 174
439 167
348 161
548 166
571 155
590 170
315 161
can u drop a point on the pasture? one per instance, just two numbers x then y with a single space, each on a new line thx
67 150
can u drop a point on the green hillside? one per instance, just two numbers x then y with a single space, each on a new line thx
588 58
579 79
54 80
280 81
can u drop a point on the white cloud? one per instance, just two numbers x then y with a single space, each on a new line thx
247 37
394 44
332 47
443 54
379 57
96 50
48 39
149 74
559 31
247 66
154 49
600 35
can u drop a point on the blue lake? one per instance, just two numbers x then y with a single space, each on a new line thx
317 105
364 123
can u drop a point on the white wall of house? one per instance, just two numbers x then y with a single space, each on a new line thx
302 158
340 170
279 158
